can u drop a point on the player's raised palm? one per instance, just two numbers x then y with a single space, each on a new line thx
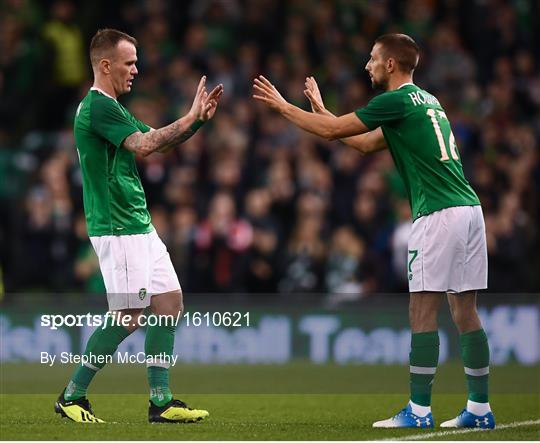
210 102
313 94
199 99
267 93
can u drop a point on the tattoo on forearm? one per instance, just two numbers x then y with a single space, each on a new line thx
187 134
162 140
184 136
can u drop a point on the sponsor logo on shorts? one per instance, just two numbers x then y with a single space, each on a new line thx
142 293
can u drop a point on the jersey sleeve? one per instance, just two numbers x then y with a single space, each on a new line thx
143 127
111 123
383 109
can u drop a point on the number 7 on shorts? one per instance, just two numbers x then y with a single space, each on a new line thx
413 253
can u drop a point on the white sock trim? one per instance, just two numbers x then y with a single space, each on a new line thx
91 366
477 372
160 363
422 370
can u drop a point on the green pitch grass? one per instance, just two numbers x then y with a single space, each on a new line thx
300 401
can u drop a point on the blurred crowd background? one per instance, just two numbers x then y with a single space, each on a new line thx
250 204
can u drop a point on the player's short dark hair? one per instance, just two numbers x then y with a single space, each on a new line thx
105 40
402 48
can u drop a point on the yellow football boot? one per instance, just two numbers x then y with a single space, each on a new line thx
175 411
78 410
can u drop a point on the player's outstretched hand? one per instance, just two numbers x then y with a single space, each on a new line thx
267 93
197 106
314 95
210 102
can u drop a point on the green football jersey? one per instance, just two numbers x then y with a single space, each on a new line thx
419 137
114 200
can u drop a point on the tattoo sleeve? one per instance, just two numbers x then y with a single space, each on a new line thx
163 139
183 137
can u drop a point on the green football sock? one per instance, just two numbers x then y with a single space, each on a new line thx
423 358
103 342
475 354
159 341
79 382
158 379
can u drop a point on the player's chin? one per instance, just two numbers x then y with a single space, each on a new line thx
377 85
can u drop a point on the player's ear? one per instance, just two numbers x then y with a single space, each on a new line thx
390 65
105 65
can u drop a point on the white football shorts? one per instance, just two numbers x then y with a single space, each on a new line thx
448 252
134 267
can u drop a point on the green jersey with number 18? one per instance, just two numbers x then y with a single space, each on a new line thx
419 137
113 197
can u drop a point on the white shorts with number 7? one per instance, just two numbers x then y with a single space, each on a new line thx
447 251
